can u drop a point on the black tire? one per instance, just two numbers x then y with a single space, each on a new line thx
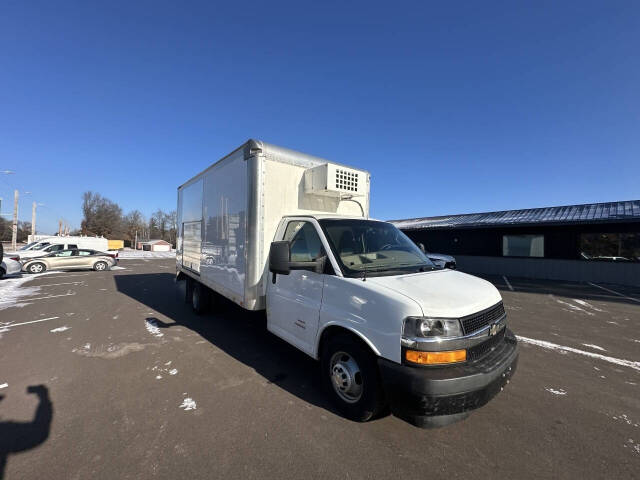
188 290
36 267
2 272
1 252
371 401
200 298
100 266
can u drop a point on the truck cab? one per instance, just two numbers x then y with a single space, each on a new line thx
387 325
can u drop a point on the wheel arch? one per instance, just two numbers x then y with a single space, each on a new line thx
331 330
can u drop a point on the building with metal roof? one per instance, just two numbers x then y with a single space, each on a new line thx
566 215
590 242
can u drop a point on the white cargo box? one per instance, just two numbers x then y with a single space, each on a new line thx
228 214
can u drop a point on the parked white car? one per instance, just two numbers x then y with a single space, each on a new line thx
9 266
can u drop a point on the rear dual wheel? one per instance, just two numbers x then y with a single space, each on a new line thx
199 295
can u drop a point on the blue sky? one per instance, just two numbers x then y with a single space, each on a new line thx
453 106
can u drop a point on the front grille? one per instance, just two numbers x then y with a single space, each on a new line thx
480 320
483 348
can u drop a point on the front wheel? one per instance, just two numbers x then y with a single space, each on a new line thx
100 266
36 268
350 376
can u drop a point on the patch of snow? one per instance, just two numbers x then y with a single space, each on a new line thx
127 254
152 328
587 304
635 447
573 307
613 323
12 291
4 385
118 268
188 404
560 391
173 371
87 346
59 329
158 377
595 347
625 419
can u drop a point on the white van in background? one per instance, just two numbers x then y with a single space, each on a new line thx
48 245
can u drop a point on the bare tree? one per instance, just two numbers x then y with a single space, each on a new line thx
101 216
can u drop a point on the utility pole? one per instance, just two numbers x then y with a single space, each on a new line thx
135 245
33 222
14 230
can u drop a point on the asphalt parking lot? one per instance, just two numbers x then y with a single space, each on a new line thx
110 375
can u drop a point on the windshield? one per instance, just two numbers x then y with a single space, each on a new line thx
373 247
27 246
39 246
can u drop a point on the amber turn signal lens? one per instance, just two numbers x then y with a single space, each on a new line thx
436 358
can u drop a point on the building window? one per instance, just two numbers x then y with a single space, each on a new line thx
617 247
523 245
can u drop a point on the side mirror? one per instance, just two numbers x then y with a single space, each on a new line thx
279 258
421 247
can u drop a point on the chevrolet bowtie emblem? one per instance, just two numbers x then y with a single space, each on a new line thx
493 329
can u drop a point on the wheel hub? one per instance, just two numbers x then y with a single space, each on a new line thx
346 377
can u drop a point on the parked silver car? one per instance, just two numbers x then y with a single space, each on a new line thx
70 259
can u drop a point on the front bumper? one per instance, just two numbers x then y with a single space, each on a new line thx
438 396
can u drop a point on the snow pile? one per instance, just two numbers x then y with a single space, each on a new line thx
560 391
124 254
12 291
188 404
152 328
59 329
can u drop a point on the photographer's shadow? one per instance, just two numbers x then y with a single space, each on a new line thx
16 437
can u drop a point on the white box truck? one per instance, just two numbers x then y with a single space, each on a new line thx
275 229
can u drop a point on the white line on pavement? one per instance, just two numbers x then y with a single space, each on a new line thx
32 321
507 282
64 276
27 299
555 346
614 292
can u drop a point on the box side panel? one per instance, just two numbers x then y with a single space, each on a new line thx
190 225
223 253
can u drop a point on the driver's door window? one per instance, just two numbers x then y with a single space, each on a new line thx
305 244
64 253
54 248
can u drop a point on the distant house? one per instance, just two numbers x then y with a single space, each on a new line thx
154 246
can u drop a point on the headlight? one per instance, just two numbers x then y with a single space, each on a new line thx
427 327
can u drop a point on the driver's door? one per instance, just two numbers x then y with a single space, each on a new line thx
61 259
294 300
